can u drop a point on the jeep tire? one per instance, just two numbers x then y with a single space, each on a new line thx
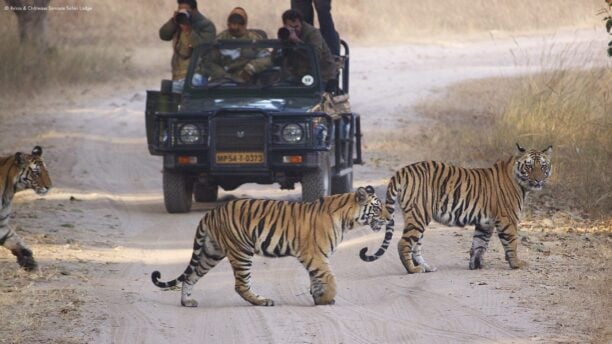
178 189
317 183
205 193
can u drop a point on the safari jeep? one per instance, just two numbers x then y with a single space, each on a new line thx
280 126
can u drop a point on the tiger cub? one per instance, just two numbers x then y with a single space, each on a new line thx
489 198
308 231
19 172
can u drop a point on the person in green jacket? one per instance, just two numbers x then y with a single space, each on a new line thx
302 32
240 65
186 29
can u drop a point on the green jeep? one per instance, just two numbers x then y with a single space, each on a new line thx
281 125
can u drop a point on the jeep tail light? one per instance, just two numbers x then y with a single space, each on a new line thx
187 160
293 159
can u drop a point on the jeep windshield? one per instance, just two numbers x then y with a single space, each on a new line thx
265 64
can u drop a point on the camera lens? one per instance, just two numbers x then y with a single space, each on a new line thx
182 18
283 34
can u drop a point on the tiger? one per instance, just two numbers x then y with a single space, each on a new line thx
19 172
488 198
309 231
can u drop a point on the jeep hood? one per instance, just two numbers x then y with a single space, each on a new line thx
291 104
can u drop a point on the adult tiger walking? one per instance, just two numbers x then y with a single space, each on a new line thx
311 232
489 198
19 172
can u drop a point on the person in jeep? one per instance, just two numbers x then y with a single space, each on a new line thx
239 64
302 32
186 29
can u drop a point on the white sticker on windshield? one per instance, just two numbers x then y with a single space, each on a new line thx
307 80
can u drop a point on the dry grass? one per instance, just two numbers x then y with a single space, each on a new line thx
402 20
572 111
568 108
25 71
98 45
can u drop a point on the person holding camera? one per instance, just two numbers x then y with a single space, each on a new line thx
326 22
295 30
186 29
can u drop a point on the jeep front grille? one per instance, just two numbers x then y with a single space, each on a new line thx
240 132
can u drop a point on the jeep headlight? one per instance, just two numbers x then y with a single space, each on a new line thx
189 134
292 133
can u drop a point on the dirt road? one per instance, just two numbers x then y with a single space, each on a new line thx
115 231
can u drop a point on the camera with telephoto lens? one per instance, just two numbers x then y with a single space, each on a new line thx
283 34
182 18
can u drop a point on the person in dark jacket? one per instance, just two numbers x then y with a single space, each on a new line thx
326 22
186 29
302 32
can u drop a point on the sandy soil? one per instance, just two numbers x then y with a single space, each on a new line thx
103 229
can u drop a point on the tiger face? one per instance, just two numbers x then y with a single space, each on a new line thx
532 168
372 211
34 175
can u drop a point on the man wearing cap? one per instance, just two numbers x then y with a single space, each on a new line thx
239 64
186 29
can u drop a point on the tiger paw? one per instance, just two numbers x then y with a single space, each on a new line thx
317 289
412 269
477 258
27 263
266 303
429 268
409 265
420 262
517 264
321 301
189 303
476 263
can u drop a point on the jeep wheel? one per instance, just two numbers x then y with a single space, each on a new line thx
317 183
342 184
177 192
205 193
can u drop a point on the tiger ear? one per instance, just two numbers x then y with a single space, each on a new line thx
521 149
369 189
548 151
37 151
19 159
361 195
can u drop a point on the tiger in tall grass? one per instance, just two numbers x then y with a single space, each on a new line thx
19 172
308 231
489 198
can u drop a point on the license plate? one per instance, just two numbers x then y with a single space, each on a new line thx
239 157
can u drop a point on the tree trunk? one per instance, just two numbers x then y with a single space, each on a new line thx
32 21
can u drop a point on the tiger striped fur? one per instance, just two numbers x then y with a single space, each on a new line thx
489 198
19 172
308 231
